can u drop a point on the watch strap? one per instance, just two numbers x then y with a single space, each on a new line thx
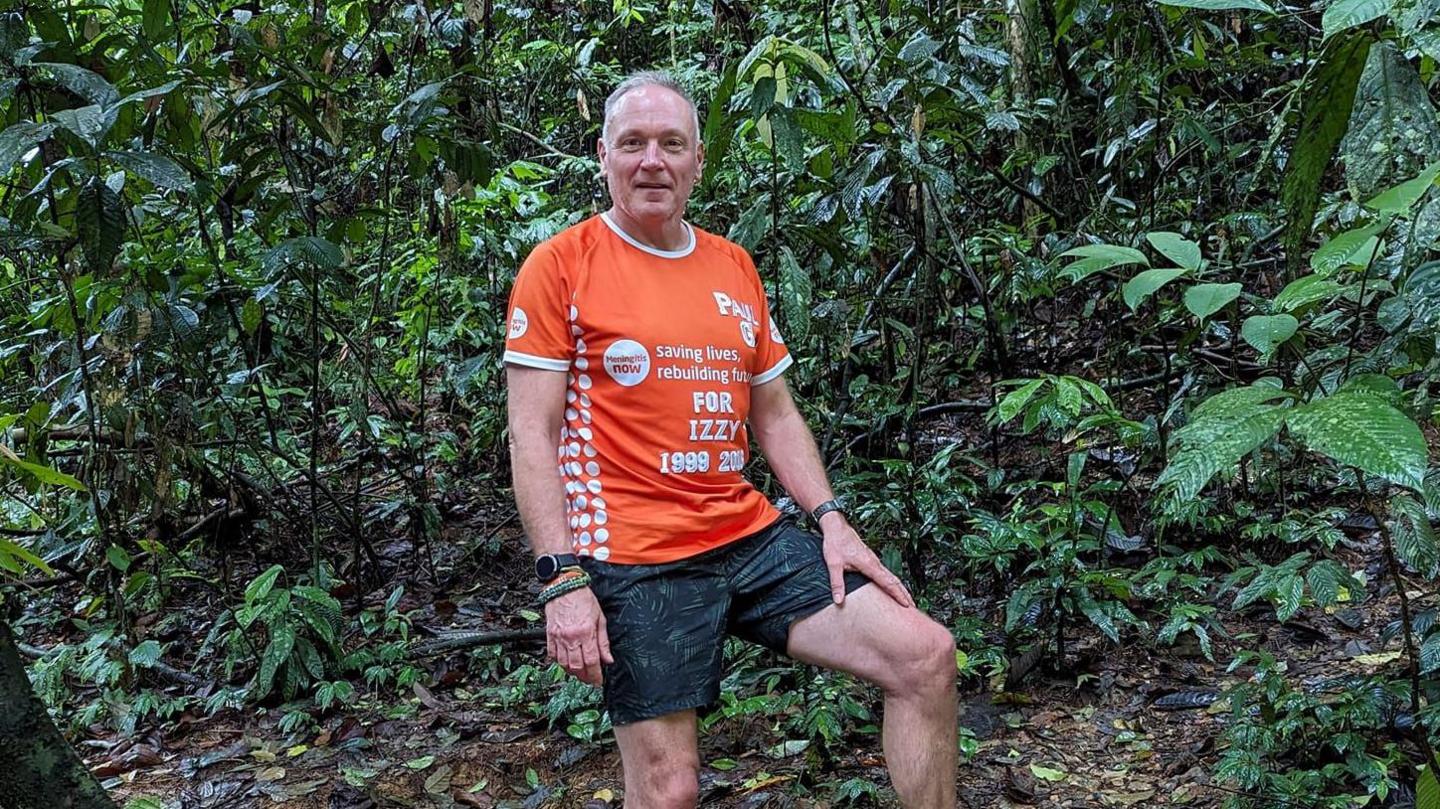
833 504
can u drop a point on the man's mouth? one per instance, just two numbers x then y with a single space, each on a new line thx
659 186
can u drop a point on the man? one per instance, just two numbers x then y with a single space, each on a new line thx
639 347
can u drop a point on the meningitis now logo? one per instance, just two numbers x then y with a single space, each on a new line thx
627 362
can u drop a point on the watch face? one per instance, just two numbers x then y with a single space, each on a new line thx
545 568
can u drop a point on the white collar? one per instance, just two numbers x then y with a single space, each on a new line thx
654 251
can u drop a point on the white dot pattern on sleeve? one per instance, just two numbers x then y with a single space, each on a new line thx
584 482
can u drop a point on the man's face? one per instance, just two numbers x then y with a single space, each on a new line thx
654 154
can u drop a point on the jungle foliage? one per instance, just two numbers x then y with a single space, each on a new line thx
1108 315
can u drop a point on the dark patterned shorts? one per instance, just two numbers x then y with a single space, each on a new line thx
667 623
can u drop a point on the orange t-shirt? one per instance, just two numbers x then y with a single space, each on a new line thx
660 349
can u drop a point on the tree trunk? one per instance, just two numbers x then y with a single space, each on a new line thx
41 770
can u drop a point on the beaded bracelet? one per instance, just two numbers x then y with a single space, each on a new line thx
560 587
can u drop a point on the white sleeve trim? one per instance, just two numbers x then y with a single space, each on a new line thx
532 361
775 371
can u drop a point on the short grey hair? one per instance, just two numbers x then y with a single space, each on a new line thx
647 78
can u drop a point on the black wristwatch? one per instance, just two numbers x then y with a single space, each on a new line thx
547 567
833 504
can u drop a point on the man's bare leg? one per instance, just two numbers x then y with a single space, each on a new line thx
661 759
912 658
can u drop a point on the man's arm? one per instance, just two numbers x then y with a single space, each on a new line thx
575 634
790 450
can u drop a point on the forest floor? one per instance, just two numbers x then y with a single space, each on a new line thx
1083 733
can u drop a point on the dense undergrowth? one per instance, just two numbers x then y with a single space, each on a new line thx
1111 319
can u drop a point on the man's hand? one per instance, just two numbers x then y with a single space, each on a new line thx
844 550
575 635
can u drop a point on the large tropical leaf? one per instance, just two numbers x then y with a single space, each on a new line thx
1177 248
1204 300
1237 402
42 473
1360 430
1351 247
1327 98
313 250
84 83
100 224
1414 535
1393 133
1344 14
1401 198
1265 332
1100 257
19 138
1221 5
1212 445
155 19
718 131
160 170
1305 290
1138 289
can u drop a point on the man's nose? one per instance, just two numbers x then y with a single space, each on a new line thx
651 157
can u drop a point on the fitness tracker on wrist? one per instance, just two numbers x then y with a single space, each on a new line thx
548 566
833 504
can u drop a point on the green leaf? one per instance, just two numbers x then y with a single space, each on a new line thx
1099 257
1214 444
1361 430
1177 248
250 315
1393 130
1266 332
1344 14
118 558
1221 5
1401 198
1351 247
12 550
1147 283
146 655
1327 99
313 250
1236 402
1048 774
1016 400
920 47
1414 536
261 586
155 20
718 131
1204 300
1307 290
84 83
100 224
160 170
1427 790
421 763
277 652
88 123
44 474
1289 594
19 138
796 291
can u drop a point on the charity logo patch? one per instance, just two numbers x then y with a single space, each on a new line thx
747 333
627 362
519 323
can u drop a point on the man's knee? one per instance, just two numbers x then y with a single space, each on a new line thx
928 667
667 781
